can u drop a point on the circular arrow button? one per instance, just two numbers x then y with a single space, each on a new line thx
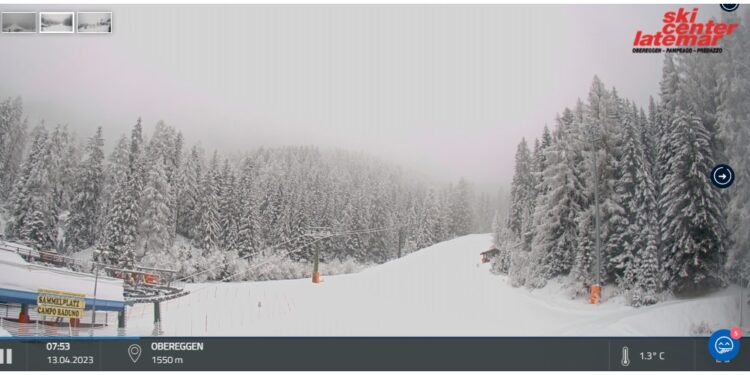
722 176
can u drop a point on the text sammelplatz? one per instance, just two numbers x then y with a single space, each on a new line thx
73 303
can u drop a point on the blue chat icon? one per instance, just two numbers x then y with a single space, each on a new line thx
722 346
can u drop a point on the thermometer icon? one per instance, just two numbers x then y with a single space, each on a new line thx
625 357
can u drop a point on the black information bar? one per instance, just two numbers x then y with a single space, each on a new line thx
362 354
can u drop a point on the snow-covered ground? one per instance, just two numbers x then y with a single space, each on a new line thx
85 255
57 28
438 291
93 28
17 29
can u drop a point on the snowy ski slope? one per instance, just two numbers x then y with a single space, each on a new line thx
438 291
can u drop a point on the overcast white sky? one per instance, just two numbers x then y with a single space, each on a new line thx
449 90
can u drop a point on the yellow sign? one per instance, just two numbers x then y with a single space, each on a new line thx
60 304
59 312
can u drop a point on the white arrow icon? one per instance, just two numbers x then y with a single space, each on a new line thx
722 176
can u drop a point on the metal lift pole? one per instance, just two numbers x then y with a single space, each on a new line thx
93 307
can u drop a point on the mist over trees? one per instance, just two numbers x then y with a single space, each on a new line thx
154 201
664 226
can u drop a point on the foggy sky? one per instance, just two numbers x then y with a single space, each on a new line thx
91 18
448 90
25 20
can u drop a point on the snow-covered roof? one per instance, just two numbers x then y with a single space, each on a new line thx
22 280
18 248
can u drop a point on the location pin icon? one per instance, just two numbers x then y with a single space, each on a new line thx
134 351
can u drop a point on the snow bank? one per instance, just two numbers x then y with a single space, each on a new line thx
19 275
442 290
85 255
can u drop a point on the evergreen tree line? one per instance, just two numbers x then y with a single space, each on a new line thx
155 202
664 228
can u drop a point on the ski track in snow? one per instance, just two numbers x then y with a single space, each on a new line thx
438 291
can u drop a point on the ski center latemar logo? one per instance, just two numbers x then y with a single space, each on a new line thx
682 32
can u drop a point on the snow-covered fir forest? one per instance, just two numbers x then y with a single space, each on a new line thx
152 201
155 200
665 229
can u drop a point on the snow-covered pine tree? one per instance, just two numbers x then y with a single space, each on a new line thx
387 217
668 88
536 274
647 279
120 233
645 231
444 203
154 222
356 216
188 192
228 208
162 148
631 168
64 155
460 208
173 176
34 213
692 221
20 198
248 236
559 202
700 88
497 233
583 272
137 174
13 129
123 212
502 240
271 211
429 226
540 160
603 129
650 137
522 191
82 230
733 117
116 167
648 272
207 226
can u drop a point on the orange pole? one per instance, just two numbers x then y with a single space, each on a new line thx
23 316
596 291
316 272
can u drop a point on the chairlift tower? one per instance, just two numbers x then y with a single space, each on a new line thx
317 234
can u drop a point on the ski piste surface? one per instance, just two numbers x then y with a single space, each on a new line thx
442 290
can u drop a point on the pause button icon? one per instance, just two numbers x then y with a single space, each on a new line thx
6 356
